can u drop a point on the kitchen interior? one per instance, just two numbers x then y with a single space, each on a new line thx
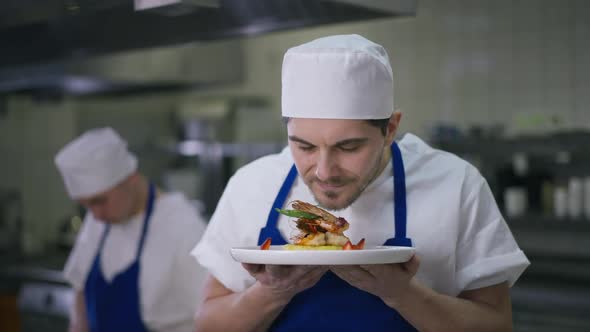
194 86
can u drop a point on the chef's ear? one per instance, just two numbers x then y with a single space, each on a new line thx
393 125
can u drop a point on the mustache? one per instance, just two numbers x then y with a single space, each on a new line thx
333 181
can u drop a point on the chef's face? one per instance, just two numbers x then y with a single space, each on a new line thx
339 158
114 205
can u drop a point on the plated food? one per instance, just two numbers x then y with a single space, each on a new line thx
317 229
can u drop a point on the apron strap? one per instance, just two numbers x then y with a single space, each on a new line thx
146 221
104 236
399 193
270 230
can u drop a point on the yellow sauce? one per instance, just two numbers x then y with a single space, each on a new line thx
298 247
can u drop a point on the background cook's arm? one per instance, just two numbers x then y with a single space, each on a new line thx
78 320
251 310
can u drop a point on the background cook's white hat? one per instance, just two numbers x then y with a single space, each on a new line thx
94 162
337 77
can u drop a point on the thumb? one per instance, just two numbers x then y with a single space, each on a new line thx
412 265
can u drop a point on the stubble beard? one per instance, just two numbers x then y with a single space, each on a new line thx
331 195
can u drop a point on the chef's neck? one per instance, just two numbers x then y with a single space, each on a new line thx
385 159
141 196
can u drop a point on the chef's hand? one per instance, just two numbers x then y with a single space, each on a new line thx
286 280
387 281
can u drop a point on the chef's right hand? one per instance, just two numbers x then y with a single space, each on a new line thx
286 280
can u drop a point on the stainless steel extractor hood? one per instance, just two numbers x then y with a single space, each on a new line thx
45 43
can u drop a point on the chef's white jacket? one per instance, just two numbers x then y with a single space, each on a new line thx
459 234
170 281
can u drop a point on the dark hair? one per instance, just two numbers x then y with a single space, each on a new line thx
379 123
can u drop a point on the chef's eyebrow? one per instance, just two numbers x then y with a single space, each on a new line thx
359 140
298 140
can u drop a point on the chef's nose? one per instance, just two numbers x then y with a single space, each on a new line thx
324 166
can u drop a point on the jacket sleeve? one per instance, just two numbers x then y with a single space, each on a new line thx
487 253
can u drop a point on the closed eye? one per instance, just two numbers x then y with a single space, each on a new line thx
349 148
306 148
351 145
302 144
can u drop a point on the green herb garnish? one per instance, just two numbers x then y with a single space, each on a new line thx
297 214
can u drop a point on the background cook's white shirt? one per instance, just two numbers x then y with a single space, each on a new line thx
454 223
170 280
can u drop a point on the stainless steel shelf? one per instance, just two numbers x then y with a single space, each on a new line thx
573 142
203 148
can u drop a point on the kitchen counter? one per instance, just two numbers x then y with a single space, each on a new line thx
553 294
16 269
35 293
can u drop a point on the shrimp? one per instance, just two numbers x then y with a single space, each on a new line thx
327 221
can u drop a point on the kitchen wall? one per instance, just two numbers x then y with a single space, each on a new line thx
524 65
30 134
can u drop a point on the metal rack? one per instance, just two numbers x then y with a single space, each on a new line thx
552 294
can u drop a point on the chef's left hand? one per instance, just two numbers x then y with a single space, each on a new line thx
387 281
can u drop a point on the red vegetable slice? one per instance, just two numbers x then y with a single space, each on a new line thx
347 246
266 244
360 245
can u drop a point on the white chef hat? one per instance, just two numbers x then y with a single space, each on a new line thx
337 77
94 162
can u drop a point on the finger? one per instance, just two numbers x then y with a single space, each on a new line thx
280 271
311 278
310 268
305 276
352 274
290 271
383 270
253 268
412 265
301 271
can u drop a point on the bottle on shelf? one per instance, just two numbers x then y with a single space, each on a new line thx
560 205
575 198
587 198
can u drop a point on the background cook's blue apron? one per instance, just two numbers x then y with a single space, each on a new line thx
115 306
332 304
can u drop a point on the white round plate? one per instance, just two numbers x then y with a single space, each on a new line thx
279 256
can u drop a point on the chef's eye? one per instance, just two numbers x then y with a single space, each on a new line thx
306 148
349 147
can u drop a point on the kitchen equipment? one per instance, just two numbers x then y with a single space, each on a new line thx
560 202
575 197
587 198
10 219
515 200
44 306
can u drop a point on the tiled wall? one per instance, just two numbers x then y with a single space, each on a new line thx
521 64
30 135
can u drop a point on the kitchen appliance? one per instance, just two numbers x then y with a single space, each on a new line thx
10 220
44 306
212 142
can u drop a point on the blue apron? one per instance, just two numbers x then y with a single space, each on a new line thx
115 306
332 304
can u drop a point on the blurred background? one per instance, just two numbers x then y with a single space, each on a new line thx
194 86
